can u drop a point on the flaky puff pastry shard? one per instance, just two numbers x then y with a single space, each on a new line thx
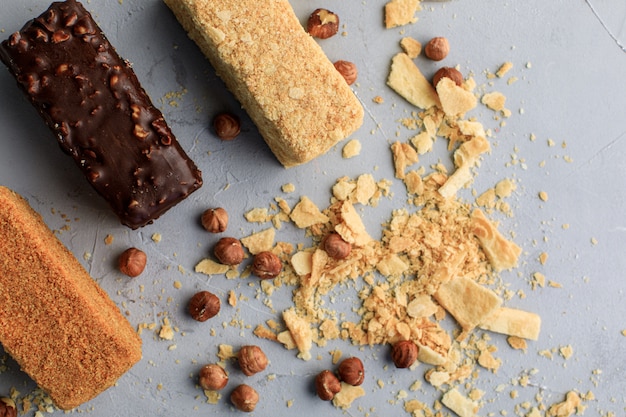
299 102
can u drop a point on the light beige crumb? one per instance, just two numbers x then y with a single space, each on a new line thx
461 405
378 100
108 239
411 46
455 100
257 215
566 351
401 12
156 237
232 298
406 79
210 267
178 285
347 395
543 196
260 241
306 213
351 149
288 188
494 100
504 69
565 408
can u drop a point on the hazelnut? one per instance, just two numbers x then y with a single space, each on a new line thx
351 371
347 70
251 359
132 262
266 265
229 251
322 24
7 407
215 220
448 72
437 48
212 377
244 398
404 353
203 305
327 385
336 247
227 126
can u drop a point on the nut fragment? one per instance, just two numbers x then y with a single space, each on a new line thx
348 70
322 24
203 305
244 398
351 371
227 126
251 359
327 385
215 220
437 48
404 353
212 377
266 265
132 262
336 247
7 407
229 251
448 72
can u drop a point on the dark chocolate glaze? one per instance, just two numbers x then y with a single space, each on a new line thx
100 114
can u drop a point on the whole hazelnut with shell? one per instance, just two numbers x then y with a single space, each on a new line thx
244 398
335 246
437 48
215 220
327 385
212 377
132 262
229 251
266 265
404 353
251 359
351 371
227 126
203 306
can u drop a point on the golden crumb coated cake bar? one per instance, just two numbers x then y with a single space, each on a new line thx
300 103
55 321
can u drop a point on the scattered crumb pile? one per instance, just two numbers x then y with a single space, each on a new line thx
439 256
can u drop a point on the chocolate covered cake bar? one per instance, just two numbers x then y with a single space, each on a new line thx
100 114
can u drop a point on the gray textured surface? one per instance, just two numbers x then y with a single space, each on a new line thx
569 59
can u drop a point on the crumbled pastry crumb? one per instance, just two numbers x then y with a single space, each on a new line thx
288 188
347 395
401 12
461 405
412 47
504 69
406 79
156 237
566 408
108 240
210 267
351 149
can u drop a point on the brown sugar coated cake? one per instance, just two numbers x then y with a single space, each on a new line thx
300 103
55 321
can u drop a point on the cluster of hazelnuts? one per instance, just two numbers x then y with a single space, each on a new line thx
349 371
213 377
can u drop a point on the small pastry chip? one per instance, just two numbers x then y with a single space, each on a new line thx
300 331
461 405
495 100
455 100
210 267
513 322
260 241
351 149
306 214
346 396
404 155
502 254
401 12
351 228
411 47
302 262
406 79
468 302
